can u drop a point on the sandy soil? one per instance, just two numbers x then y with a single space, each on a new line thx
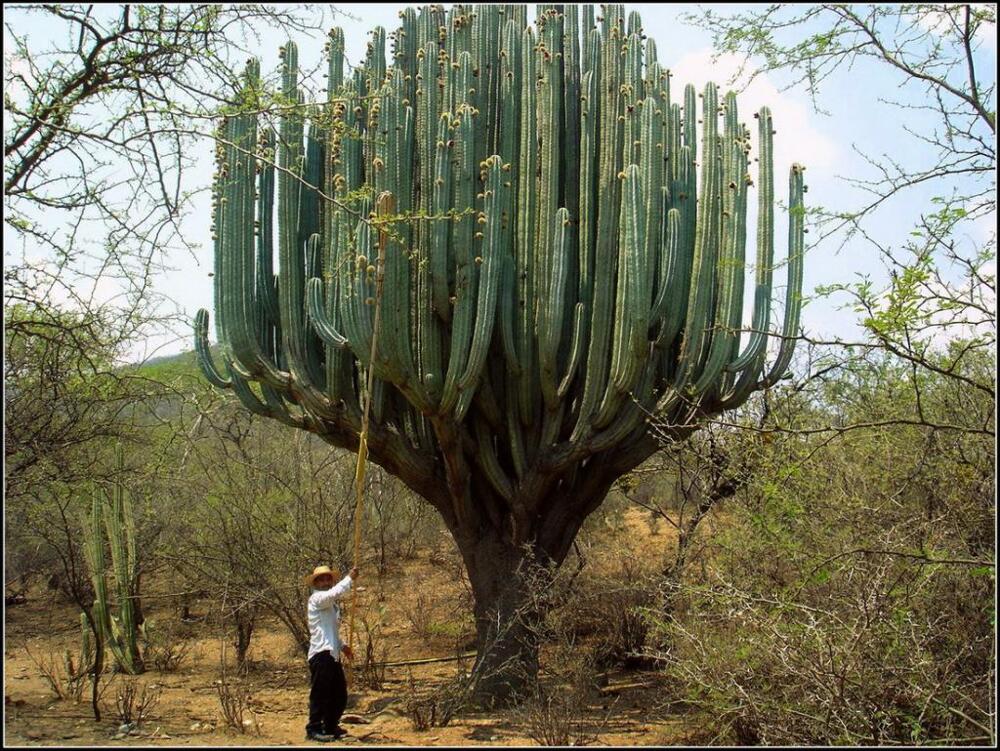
629 712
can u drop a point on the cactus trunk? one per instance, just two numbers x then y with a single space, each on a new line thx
557 266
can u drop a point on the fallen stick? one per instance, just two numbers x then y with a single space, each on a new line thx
423 661
622 687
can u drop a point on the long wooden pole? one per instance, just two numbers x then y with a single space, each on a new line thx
385 205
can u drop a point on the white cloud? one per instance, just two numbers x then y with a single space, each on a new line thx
985 227
797 138
940 23
16 68
69 290
967 321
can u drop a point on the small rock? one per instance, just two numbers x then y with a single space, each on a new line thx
355 719
196 726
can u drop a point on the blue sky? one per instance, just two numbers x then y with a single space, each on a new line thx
854 118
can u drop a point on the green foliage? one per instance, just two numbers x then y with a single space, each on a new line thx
849 592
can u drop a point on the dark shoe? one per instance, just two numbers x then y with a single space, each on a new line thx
321 737
338 732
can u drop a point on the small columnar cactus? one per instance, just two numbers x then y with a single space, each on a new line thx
119 629
566 257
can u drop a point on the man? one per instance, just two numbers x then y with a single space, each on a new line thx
328 692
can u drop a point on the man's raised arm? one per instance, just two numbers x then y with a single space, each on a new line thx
325 598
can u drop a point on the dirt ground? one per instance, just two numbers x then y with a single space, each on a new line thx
631 709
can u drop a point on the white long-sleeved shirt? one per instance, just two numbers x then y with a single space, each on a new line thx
324 618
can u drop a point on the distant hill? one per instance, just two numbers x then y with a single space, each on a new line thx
181 375
169 367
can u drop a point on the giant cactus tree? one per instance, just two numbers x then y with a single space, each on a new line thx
555 270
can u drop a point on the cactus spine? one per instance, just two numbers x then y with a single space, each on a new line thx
566 255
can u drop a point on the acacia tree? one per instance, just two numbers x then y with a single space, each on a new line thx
512 211
103 106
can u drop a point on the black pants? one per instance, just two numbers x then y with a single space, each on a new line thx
327 695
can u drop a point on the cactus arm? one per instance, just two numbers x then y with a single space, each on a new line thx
508 292
674 140
570 167
439 232
349 291
265 281
527 219
515 436
290 244
204 353
548 116
668 306
579 315
730 268
650 209
702 278
588 165
793 294
432 259
487 460
466 272
611 134
489 278
321 322
765 247
398 365
550 321
632 309
335 66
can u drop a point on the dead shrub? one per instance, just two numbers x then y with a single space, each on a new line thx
421 615
234 703
65 678
134 700
166 648
607 613
560 718
422 713
439 706
375 651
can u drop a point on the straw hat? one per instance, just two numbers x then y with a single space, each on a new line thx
318 571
